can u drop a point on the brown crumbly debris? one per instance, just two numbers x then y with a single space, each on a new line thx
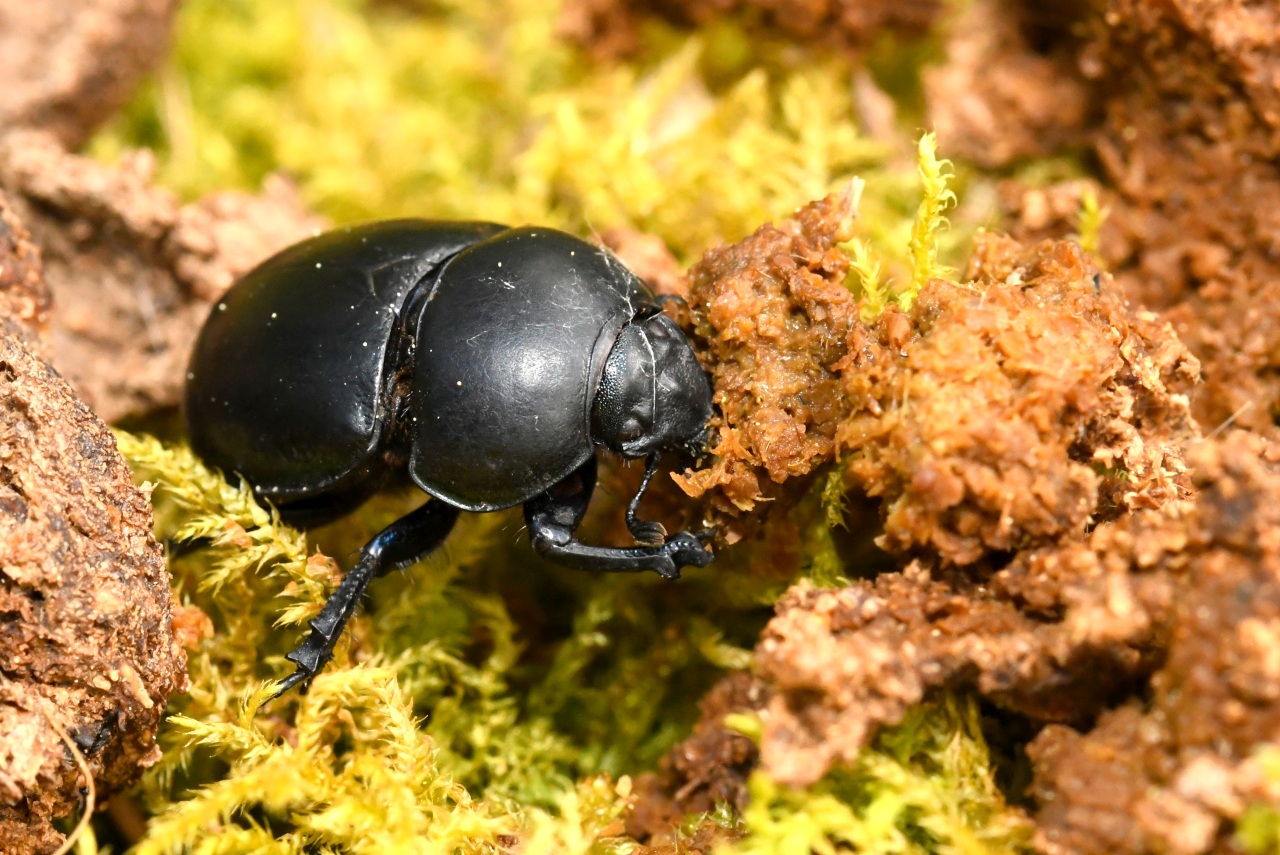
772 318
708 769
1060 634
132 271
996 415
24 298
1172 775
1185 124
1016 408
608 28
86 636
1024 432
840 664
1009 87
68 66
1191 146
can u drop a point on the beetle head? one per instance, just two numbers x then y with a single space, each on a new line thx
653 394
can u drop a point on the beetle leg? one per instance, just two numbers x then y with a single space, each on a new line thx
554 516
646 532
398 545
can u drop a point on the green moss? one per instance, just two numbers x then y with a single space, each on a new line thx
935 198
924 786
913 248
1258 830
468 110
599 674
1090 219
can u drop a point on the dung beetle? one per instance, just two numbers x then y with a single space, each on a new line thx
485 362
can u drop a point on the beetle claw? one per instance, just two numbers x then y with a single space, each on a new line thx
686 550
299 676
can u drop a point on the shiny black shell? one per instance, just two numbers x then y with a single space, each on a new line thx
470 348
510 346
290 380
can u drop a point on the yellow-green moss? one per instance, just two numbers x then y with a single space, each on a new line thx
1258 830
509 720
925 786
922 246
475 109
1090 219
935 198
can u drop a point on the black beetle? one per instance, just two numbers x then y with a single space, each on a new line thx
485 362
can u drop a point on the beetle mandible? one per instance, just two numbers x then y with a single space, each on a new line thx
485 362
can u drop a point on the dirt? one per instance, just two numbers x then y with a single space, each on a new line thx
1181 116
1015 408
86 636
69 66
132 271
1173 774
1189 146
1081 556
1030 102
1023 433
771 317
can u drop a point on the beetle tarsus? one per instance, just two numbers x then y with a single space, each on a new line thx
647 532
302 676
400 544
554 516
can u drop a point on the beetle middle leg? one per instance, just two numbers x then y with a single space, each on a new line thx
398 545
553 517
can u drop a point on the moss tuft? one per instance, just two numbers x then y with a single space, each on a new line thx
924 786
1089 221
476 110
1258 830
935 198
506 719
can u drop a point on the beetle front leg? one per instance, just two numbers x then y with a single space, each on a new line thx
553 517
398 545
646 532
